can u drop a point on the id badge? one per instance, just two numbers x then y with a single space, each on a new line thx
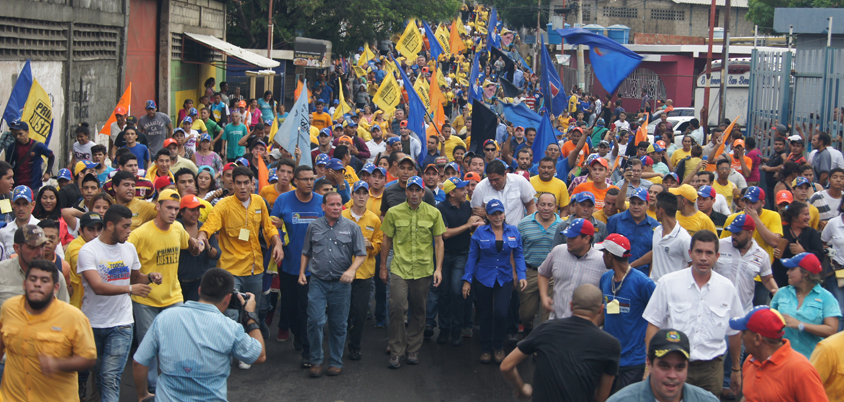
5 206
612 307
244 235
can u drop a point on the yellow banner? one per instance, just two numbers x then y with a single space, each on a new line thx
421 86
388 95
410 43
441 79
443 37
38 113
343 107
366 56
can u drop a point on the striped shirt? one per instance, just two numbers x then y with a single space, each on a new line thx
827 205
194 344
569 272
537 242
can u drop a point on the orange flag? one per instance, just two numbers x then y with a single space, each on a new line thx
263 174
436 98
299 90
455 44
125 102
711 167
641 133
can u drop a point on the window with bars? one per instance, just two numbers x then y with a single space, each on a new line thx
587 14
32 39
176 46
668 15
621 12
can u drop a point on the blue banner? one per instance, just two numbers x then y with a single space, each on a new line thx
611 61
552 88
20 93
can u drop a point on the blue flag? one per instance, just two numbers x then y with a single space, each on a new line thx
474 85
492 38
436 49
521 115
20 93
611 61
415 117
545 135
552 87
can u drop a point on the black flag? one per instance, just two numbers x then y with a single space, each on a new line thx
510 89
509 66
484 125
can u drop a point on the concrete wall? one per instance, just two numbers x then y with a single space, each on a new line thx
78 58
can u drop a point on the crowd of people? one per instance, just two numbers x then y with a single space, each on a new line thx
659 269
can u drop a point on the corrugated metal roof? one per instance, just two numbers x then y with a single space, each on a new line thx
733 3
234 51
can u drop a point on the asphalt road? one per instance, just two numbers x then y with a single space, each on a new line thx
445 373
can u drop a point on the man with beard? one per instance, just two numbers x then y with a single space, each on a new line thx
37 321
28 245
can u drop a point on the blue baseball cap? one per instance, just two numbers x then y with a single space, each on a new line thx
322 159
187 119
584 196
578 227
326 132
380 169
193 111
641 194
454 166
273 178
374 127
673 175
393 140
707 191
242 161
807 261
335 164
493 206
272 171
415 180
741 222
360 184
754 194
19 125
150 104
336 101
368 168
453 183
22 192
65 174
801 181
205 137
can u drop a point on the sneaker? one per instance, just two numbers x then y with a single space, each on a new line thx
380 324
306 363
512 339
388 349
395 362
413 358
333 371
315 371
456 340
486 358
243 366
499 356
353 355
283 335
297 343
429 332
442 338
466 332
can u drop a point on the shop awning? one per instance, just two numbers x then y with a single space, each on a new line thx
233 51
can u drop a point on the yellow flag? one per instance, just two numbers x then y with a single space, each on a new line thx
390 67
366 56
410 43
443 37
460 28
343 107
421 87
38 113
455 43
388 95
441 79
274 127
359 72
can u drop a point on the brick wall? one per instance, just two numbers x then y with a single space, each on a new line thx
665 39
665 17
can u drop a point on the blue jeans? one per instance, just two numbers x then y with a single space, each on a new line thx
249 283
334 297
831 284
493 307
431 306
113 346
381 294
452 308
761 295
144 315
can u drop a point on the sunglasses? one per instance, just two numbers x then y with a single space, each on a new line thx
489 149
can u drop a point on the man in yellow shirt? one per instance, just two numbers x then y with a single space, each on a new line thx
828 359
449 141
546 182
46 341
321 119
370 227
722 184
688 217
123 184
90 227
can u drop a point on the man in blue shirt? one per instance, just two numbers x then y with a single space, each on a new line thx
537 231
194 344
24 154
626 293
636 225
297 209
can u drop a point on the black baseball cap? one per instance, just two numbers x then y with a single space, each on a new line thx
90 219
669 340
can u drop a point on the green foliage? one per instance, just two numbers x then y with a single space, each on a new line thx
346 23
521 13
761 12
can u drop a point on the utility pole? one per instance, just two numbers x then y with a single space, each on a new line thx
704 111
725 63
581 65
270 32
538 26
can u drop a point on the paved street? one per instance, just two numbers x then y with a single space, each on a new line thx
446 373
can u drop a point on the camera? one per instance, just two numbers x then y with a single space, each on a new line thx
234 303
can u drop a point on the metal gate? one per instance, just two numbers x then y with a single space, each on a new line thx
768 95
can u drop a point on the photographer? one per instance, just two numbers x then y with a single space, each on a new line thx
194 344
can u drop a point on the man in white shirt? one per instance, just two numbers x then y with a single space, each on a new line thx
700 303
514 191
697 131
376 145
22 205
828 202
670 240
622 123
742 260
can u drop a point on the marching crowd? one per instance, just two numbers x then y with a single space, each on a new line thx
629 267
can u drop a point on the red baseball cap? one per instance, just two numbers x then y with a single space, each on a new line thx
120 110
169 142
762 320
784 196
472 176
229 166
190 201
616 244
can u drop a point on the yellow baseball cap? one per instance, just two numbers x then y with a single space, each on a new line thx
169 195
686 191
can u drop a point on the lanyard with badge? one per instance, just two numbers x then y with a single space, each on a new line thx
613 306
244 232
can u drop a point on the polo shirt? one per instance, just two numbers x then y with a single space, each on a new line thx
741 269
413 232
537 240
297 215
453 217
61 330
370 227
828 360
628 326
395 195
489 265
785 376
702 313
640 234
554 186
516 193
770 219
817 305
332 248
670 252
569 272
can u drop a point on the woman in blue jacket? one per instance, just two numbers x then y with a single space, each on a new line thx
489 268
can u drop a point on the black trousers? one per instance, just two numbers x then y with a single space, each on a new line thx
357 311
294 309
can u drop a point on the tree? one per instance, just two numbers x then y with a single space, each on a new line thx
522 13
761 12
347 24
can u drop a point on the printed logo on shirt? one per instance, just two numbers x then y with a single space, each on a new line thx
370 228
258 211
113 271
167 256
304 218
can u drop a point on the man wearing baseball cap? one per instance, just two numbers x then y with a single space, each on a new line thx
769 228
570 265
28 243
706 199
667 362
396 194
324 144
801 191
22 204
742 259
634 223
687 215
626 293
431 177
156 125
377 145
25 156
191 268
582 206
410 142
773 371
598 186
418 257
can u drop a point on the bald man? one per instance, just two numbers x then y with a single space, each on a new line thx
595 354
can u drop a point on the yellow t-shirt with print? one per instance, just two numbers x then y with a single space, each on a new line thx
158 251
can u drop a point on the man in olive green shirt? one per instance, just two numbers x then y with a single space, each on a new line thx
417 229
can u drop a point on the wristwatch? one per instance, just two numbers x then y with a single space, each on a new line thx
249 315
801 327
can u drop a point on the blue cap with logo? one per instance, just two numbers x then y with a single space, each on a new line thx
368 168
205 137
360 184
241 161
802 181
639 193
150 104
273 178
193 111
393 140
754 194
187 119
584 196
326 132
415 180
335 164
322 159
454 166
64 174
22 192
493 206
578 227
19 125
